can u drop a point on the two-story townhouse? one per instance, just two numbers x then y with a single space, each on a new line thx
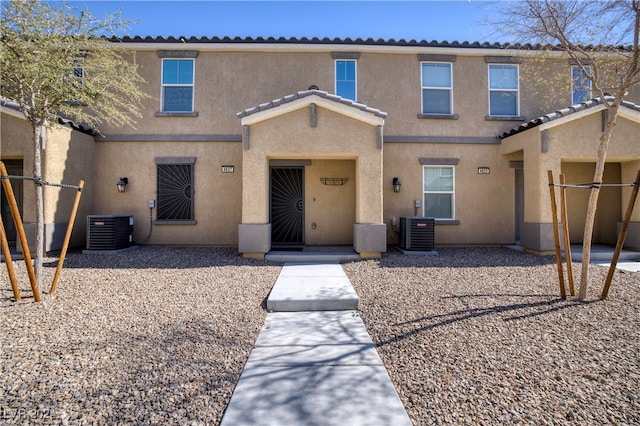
263 143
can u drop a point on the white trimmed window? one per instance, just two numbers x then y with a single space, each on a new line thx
580 85
346 82
439 193
177 85
504 90
437 88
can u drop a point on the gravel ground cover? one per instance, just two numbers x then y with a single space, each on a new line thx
480 336
471 336
153 336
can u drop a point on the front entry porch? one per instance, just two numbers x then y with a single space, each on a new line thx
331 148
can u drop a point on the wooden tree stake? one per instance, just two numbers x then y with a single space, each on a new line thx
556 236
6 252
621 237
67 237
565 233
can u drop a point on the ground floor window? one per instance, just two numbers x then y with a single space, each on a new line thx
439 195
175 189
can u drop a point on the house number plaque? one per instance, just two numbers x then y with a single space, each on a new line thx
484 170
228 169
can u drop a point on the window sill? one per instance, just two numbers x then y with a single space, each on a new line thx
447 221
175 222
504 118
439 116
176 114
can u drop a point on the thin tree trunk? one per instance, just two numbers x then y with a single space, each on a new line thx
593 204
37 173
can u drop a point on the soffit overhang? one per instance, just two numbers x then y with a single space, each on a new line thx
303 99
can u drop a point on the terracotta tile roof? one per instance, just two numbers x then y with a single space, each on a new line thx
347 41
61 120
562 113
313 40
303 94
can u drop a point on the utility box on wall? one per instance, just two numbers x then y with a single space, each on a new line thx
109 232
417 233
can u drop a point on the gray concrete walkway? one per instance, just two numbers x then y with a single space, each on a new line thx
316 366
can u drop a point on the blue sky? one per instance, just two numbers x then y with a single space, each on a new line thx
463 20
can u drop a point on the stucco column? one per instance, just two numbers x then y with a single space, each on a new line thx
369 233
537 231
254 233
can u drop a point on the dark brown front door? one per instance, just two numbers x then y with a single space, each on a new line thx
287 206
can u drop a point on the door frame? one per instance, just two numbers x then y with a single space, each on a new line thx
14 167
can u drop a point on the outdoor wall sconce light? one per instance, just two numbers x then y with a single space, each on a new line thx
122 184
396 184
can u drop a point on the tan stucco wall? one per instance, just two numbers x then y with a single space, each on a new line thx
217 195
390 81
332 208
69 158
484 203
609 211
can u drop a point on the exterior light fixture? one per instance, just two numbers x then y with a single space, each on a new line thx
122 184
396 184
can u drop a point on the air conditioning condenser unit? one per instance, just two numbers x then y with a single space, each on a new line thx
417 233
109 232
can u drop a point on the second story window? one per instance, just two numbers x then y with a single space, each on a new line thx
78 72
503 90
346 79
177 85
580 85
437 85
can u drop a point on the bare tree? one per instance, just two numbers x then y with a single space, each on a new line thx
601 37
56 61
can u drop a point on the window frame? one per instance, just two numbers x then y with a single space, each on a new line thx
423 88
164 85
355 80
160 193
516 90
585 79
452 192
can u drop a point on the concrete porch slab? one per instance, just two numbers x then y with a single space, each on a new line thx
320 288
314 254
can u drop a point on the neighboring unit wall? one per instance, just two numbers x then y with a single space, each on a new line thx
571 145
68 157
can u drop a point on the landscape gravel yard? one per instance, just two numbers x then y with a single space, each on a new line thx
480 336
471 336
